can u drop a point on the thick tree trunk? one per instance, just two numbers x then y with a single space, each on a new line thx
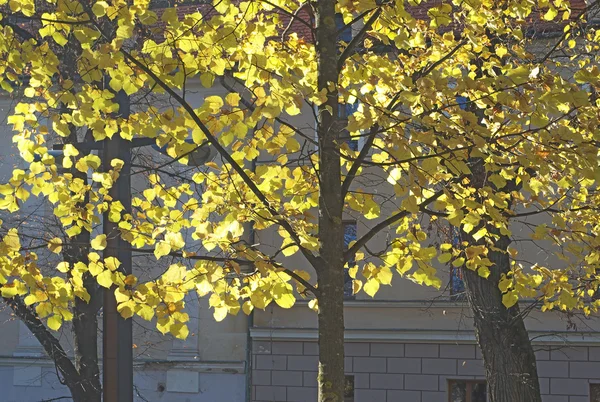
508 356
85 329
331 335
331 270
85 314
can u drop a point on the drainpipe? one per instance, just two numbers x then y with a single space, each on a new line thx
252 241
250 322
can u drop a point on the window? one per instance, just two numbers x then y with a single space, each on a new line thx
594 392
457 285
345 111
344 32
349 388
467 391
349 236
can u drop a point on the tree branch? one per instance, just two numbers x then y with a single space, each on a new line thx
48 341
349 254
312 259
356 39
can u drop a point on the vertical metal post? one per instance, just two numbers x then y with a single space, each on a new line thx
117 339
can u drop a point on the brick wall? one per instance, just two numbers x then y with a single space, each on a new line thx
397 372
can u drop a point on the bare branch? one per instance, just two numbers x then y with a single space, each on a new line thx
349 254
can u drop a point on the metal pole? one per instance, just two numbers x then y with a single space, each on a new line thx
117 340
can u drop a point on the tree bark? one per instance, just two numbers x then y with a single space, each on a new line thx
508 357
330 271
85 314
509 360
52 347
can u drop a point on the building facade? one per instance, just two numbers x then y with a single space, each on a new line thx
410 344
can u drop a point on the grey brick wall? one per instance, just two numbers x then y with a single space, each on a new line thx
397 372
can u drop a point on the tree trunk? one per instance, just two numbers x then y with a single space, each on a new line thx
330 271
508 357
331 335
85 314
85 330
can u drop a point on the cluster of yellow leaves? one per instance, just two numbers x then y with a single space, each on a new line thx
428 109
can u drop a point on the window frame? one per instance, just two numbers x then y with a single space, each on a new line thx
469 387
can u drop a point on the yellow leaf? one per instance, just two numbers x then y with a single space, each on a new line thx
121 295
105 279
283 295
111 263
162 248
509 299
444 258
501 51
146 312
551 14
99 9
356 286
484 272
11 240
30 299
175 240
9 291
233 99
207 79
220 313
480 233
55 322
63 267
247 307
99 242
55 245
385 275
371 287
179 330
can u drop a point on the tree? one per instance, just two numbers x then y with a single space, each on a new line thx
460 121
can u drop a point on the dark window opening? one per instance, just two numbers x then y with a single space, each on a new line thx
349 236
594 392
344 32
467 391
349 388
346 110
